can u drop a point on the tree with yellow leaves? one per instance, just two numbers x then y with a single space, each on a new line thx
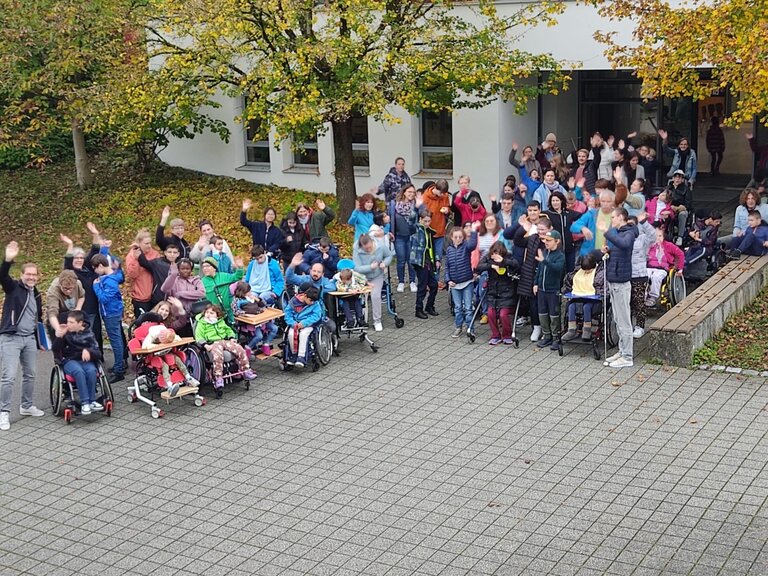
672 42
303 66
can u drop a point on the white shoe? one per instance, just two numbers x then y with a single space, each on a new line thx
621 363
613 358
638 332
378 327
679 242
96 407
401 287
31 411
5 422
536 334
414 288
85 409
522 321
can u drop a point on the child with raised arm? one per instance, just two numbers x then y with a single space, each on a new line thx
459 275
107 289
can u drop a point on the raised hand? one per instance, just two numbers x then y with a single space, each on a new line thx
238 261
539 255
107 244
11 251
663 133
571 183
166 213
631 135
92 229
247 204
297 259
492 198
320 204
515 146
61 330
581 182
618 174
67 240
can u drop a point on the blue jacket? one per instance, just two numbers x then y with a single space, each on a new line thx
587 220
312 256
542 194
690 164
275 275
752 241
107 290
530 183
309 315
271 240
361 220
621 241
458 260
324 284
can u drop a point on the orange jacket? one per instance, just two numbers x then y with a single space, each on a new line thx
434 203
140 278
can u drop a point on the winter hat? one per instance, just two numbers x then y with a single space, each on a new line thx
212 261
554 234
551 137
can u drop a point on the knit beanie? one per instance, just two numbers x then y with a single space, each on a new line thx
212 261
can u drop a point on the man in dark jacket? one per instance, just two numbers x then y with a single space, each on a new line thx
22 310
618 272
325 253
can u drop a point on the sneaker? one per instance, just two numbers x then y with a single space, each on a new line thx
484 319
31 411
219 383
290 362
299 364
401 287
172 390
457 333
734 254
96 407
5 421
650 302
613 358
544 342
621 363
266 349
249 374
116 377
192 381
494 341
508 341
638 332
678 242
413 287
522 321
378 327
536 334
85 409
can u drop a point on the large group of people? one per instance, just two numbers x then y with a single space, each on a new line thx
589 223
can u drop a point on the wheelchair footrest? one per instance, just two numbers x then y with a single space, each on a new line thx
183 391
274 352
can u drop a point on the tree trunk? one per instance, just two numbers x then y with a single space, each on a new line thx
346 192
82 163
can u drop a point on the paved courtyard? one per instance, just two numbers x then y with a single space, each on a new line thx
431 457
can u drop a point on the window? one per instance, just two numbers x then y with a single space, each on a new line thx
256 151
437 141
360 153
308 155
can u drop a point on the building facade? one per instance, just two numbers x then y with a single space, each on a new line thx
478 142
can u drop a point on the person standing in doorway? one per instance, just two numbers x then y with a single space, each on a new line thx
715 146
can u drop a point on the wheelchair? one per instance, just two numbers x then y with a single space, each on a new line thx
603 329
320 348
65 396
673 290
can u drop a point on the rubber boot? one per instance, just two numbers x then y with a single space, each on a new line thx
572 334
586 331
554 322
546 331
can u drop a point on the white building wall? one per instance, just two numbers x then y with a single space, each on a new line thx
481 138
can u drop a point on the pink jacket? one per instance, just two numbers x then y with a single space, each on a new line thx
673 256
650 208
467 214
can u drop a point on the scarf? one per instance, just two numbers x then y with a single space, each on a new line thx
552 187
405 207
303 221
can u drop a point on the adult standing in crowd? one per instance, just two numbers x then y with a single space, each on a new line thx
201 247
683 158
64 295
394 181
403 217
618 272
315 221
263 232
177 234
141 286
22 310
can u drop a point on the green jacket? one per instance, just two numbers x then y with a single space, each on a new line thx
217 289
205 332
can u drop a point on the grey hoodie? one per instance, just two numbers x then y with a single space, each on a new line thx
640 249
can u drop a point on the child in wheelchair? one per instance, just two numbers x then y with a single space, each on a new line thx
78 353
586 282
348 280
662 256
214 334
246 302
301 315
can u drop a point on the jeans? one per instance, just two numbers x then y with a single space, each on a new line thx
749 244
462 304
350 304
114 326
264 333
682 220
403 253
12 350
269 297
586 311
427 281
85 374
438 247
620 295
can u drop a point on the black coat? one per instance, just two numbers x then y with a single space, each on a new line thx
502 288
530 244
299 239
72 344
561 221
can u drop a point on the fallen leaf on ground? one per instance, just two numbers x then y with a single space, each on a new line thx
693 421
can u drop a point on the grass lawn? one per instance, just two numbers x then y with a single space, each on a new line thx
38 205
742 342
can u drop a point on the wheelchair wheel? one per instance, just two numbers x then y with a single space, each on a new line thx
611 330
195 363
323 344
57 390
107 398
677 289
